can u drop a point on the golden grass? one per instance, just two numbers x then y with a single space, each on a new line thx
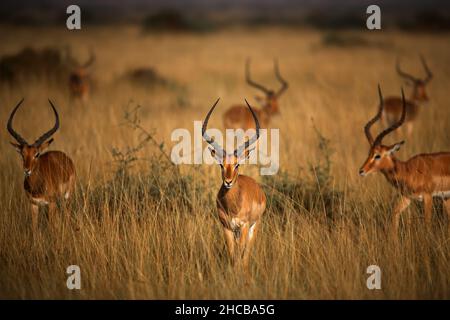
131 244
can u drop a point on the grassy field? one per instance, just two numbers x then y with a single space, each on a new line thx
152 232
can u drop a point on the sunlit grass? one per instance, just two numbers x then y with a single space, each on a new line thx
133 236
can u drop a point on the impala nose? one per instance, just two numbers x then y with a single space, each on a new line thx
362 173
27 172
228 184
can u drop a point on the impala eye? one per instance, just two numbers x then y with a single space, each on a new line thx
37 155
377 157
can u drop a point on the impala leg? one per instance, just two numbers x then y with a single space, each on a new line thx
34 218
401 205
243 241
229 237
250 241
52 215
428 208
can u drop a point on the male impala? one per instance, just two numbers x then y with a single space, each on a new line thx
80 78
240 201
393 105
49 175
422 177
238 117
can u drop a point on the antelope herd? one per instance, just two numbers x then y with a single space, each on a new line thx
50 176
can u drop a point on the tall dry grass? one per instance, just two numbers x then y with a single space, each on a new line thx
152 231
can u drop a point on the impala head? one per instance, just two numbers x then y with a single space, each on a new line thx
419 85
270 98
230 162
79 76
380 155
30 152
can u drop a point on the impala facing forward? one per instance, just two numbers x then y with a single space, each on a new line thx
49 175
422 177
238 116
393 105
80 78
240 201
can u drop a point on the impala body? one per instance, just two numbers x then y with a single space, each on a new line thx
80 78
238 116
240 200
393 105
49 175
422 177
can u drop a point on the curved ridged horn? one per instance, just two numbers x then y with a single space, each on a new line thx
49 133
217 148
284 84
238 152
385 132
251 82
374 119
11 131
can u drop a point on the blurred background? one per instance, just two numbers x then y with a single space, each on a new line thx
208 15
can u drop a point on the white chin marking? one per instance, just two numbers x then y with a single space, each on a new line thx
251 230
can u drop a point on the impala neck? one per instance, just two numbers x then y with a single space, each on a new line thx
232 193
416 98
396 173
34 181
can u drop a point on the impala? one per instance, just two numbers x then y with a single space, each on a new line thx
48 175
237 116
240 201
422 177
393 105
80 78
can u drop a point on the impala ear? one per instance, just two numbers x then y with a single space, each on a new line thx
260 99
45 145
395 147
17 146
215 155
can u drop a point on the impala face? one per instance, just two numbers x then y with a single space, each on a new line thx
31 152
230 170
229 163
380 158
270 101
419 84
79 79
30 155
419 93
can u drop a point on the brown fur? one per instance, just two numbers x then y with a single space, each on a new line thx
421 177
240 207
393 107
79 83
52 176
239 117
49 176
